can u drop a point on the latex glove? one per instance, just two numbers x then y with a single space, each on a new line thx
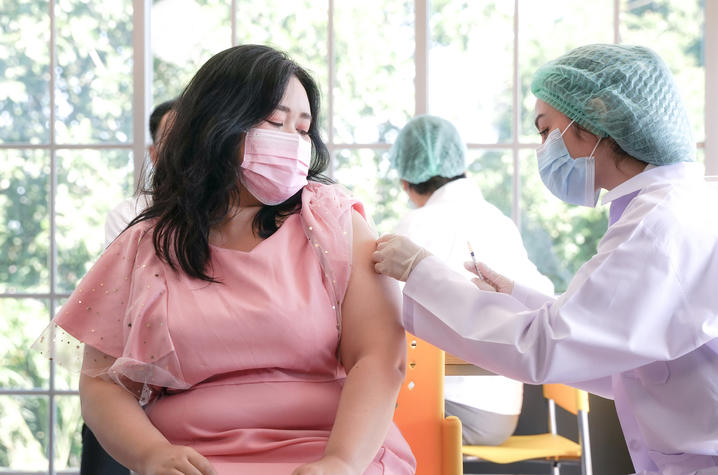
396 256
489 279
327 465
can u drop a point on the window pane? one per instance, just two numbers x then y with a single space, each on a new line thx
24 444
68 432
24 211
94 64
22 322
675 30
25 66
89 184
492 170
185 34
298 28
374 93
549 29
470 84
559 238
366 173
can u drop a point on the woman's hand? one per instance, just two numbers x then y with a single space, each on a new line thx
396 256
173 459
327 465
490 280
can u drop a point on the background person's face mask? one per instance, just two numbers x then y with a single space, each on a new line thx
571 180
275 164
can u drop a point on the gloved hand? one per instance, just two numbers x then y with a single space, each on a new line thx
396 256
489 279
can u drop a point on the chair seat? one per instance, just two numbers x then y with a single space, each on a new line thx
524 447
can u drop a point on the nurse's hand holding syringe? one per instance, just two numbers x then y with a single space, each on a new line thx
487 279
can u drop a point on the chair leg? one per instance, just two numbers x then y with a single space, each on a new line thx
584 440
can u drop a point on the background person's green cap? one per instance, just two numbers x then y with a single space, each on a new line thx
426 147
623 92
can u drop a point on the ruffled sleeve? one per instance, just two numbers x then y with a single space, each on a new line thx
327 221
115 322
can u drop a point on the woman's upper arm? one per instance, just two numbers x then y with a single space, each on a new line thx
96 366
371 310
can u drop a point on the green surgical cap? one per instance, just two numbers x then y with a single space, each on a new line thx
426 147
623 92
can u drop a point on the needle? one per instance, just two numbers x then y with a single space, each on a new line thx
473 258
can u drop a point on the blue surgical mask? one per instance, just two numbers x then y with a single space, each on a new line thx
571 180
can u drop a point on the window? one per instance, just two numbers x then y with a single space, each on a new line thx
69 137
65 160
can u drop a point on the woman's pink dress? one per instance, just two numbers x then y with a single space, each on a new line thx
249 365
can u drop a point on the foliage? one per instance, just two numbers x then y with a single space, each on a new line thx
93 104
25 68
24 419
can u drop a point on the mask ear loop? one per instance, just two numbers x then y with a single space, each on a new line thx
592 194
569 125
595 147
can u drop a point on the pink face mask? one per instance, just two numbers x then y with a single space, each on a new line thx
275 164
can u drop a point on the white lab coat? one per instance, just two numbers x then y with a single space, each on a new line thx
122 214
637 323
454 214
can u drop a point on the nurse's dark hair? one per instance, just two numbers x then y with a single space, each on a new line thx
195 183
432 184
156 117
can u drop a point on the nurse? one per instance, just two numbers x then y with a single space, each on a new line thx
639 321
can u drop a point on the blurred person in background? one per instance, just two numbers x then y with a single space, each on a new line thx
117 219
95 460
449 213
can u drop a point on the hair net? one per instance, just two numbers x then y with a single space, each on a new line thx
426 147
623 92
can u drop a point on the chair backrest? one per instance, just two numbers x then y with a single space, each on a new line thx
574 401
569 398
420 408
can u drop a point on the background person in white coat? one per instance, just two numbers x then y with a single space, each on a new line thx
120 216
451 211
639 321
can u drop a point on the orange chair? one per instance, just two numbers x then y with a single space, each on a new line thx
434 439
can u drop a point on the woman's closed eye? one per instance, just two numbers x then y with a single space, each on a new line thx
279 125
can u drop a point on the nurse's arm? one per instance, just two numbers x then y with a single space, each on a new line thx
610 320
532 298
373 351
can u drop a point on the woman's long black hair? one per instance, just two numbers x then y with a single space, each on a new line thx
195 182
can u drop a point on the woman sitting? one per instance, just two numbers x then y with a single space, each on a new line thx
241 308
